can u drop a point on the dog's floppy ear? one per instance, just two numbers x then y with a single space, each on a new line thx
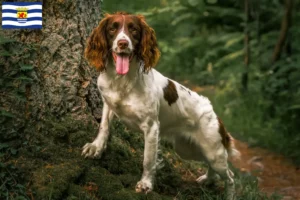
148 50
96 51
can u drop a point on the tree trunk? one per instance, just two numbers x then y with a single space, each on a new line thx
63 82
258 36
62 103
285 24
246 47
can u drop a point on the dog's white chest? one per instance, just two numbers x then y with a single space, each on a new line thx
128 106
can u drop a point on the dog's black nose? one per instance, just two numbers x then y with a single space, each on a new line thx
122 44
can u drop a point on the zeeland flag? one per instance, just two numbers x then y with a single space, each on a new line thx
25 15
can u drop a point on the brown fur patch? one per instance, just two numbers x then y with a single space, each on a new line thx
226 137
170 93
148 50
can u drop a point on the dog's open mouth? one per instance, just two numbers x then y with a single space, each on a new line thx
122 61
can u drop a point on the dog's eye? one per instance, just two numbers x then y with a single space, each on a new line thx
133 31
112 30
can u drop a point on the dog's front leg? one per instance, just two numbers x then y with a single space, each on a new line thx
151 133
96 148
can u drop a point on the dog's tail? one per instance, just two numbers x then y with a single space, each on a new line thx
231 150
228 141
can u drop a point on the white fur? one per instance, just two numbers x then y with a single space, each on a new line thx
190 123
122 36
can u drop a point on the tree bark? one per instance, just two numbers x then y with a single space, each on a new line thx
258 36
285 24
62 104
246 47
63 82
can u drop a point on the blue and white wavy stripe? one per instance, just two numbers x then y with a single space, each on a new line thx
16 19
15 23
14 15
28 11
9 6
33 19
22 4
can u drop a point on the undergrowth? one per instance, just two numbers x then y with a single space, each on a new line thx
14 79
249 117
56 170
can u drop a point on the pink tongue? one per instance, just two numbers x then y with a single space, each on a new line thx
122 64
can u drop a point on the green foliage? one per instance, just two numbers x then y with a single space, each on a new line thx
282 85
202 39
14 73
203 42
10 188
249 117
130 7
14 78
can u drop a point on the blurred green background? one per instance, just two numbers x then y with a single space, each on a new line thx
248 52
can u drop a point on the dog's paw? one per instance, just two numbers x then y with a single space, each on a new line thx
144 186
202 179
91 150
205 180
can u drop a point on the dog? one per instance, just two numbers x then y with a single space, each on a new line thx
123 47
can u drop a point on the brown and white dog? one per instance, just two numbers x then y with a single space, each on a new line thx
124 48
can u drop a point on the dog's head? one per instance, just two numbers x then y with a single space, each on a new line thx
120 37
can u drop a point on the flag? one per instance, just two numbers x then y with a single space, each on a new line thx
25 15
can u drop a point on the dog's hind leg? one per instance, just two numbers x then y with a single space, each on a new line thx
221 167
210 139
208 178
216 156
187 149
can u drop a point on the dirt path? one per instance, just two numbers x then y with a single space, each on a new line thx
274 172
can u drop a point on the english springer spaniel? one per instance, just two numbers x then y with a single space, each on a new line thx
124 49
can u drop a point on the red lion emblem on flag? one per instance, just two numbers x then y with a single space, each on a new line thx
22 15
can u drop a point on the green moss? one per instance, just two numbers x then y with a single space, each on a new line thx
151 196
125 195
77 192
119 159
78 139
129 180
107 183
59 130
53 180
135 140
68 130
60 172
95 174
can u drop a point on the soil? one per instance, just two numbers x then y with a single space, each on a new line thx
274 172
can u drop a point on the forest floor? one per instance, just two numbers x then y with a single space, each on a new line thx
275 173
50 166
